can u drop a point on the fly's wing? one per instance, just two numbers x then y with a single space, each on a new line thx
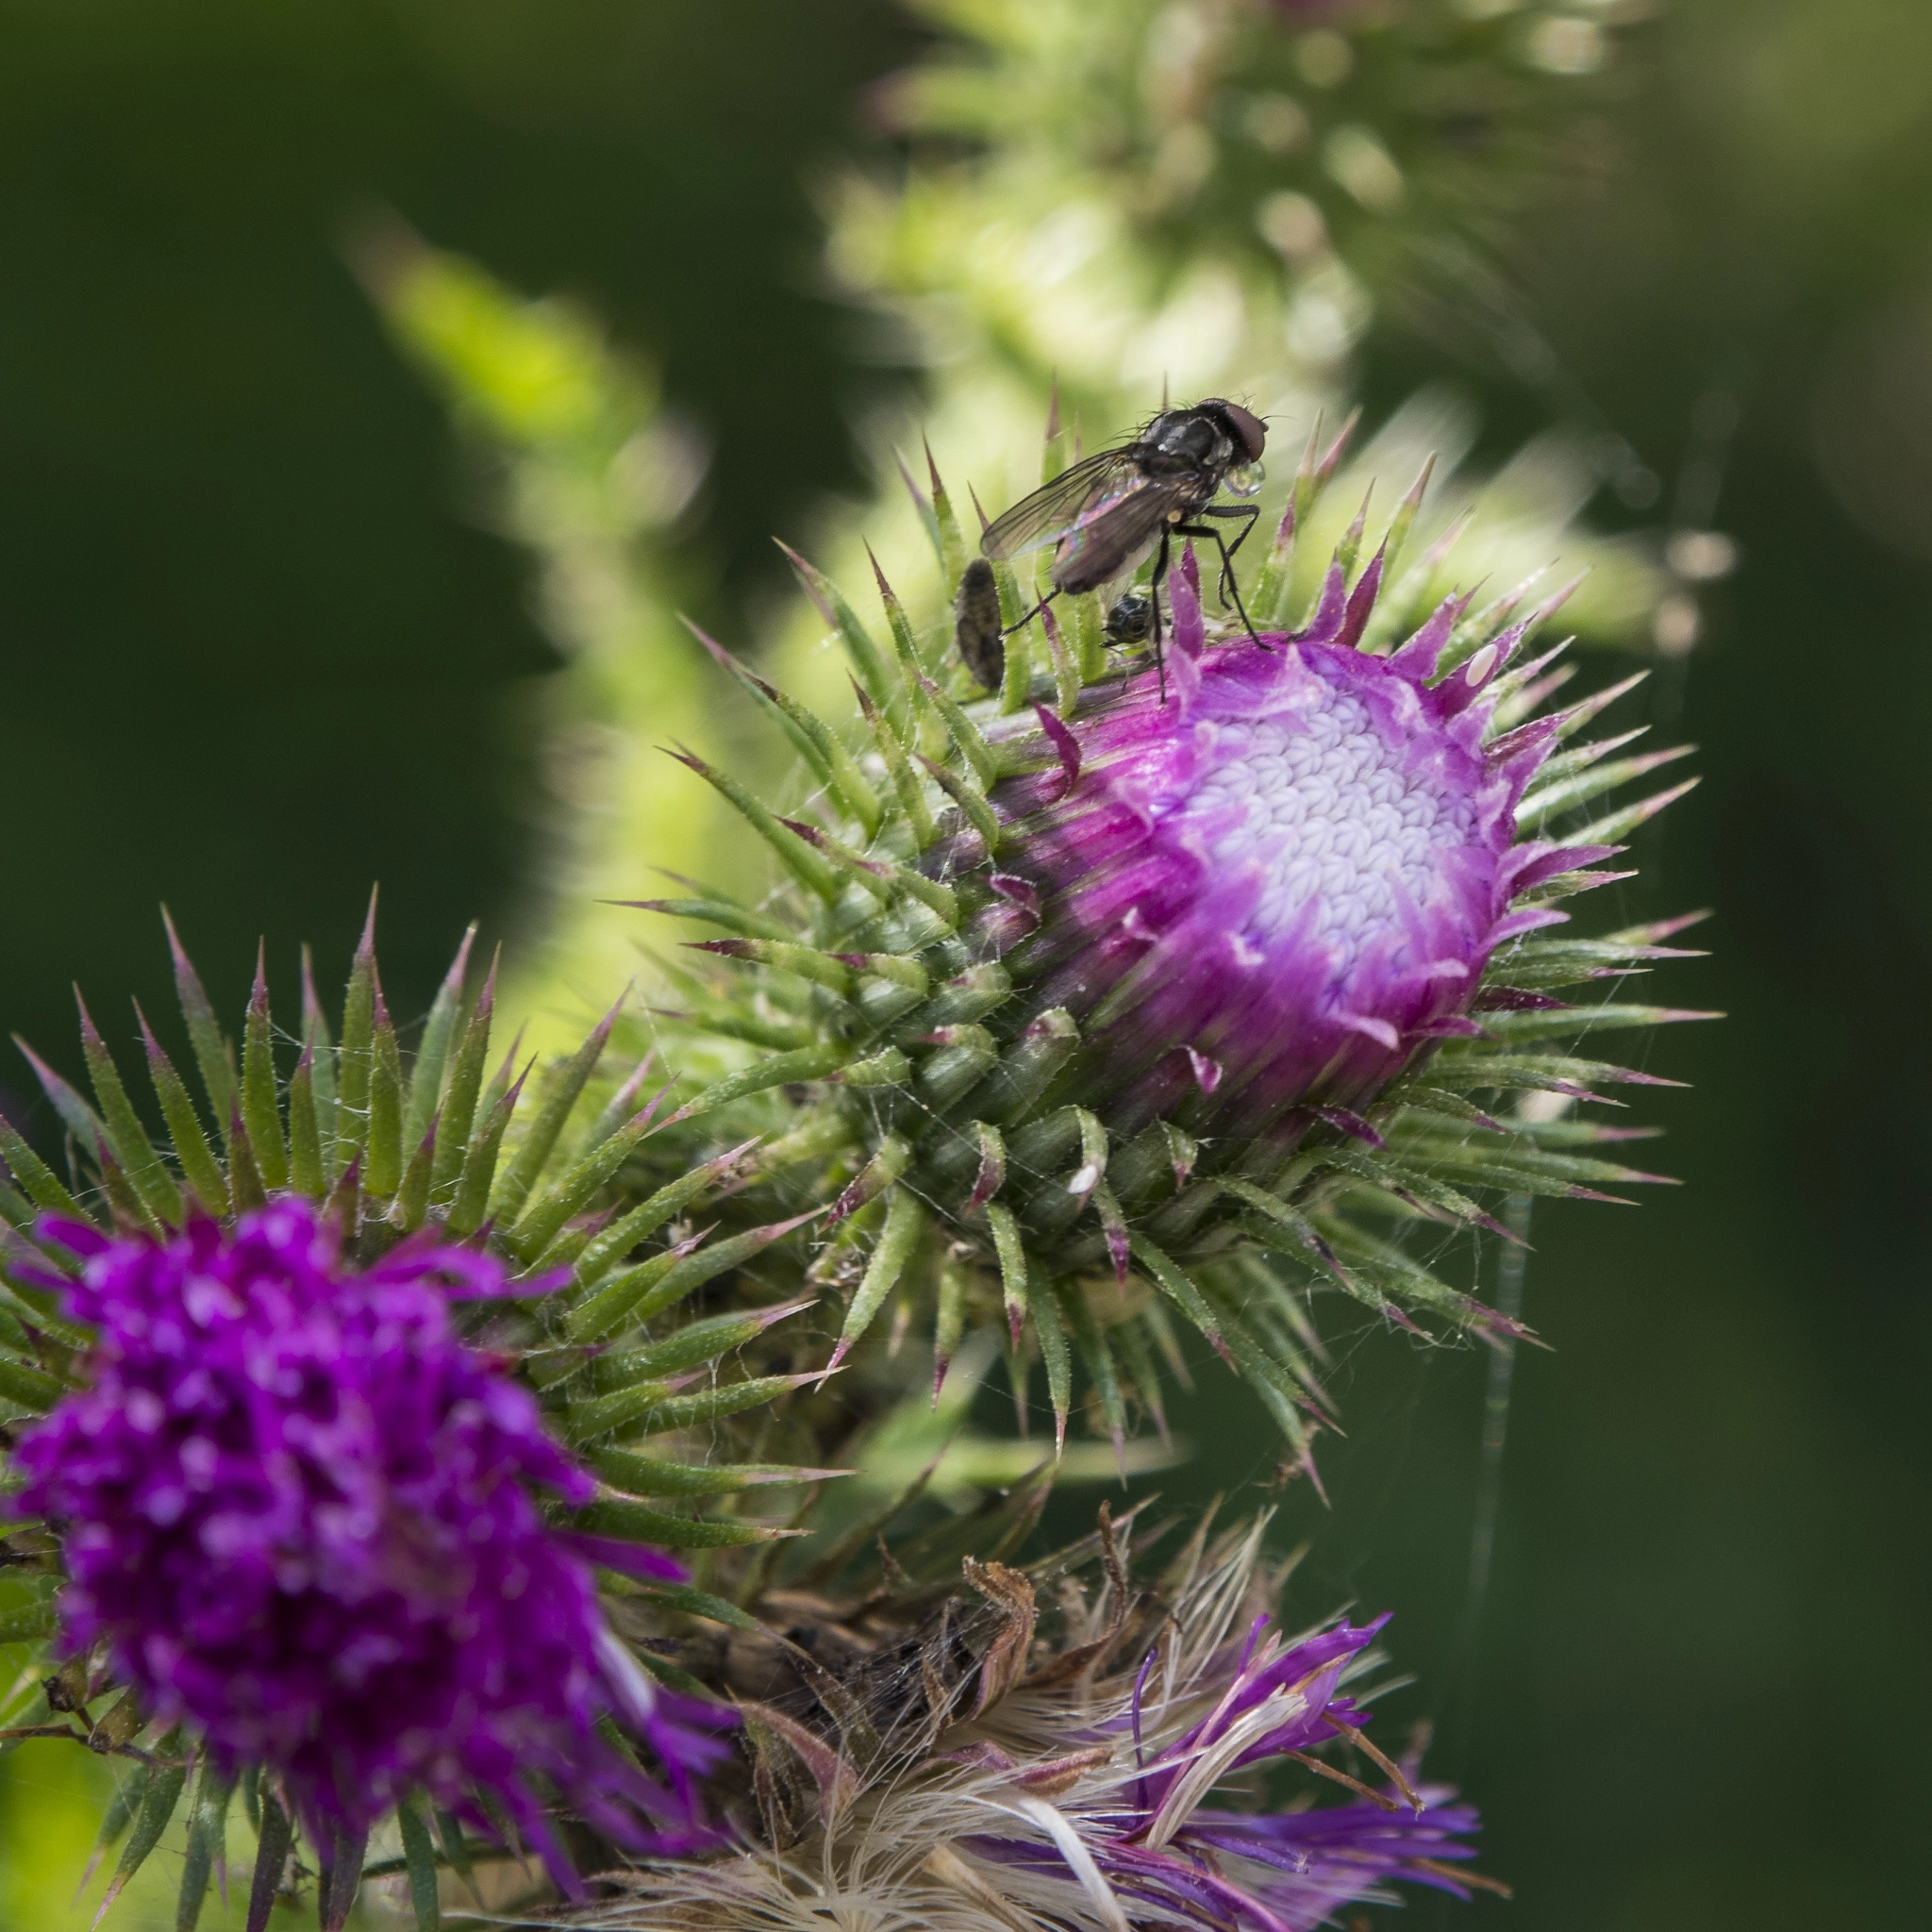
1072 501
1115 534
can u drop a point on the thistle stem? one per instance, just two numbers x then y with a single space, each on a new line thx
1512 1270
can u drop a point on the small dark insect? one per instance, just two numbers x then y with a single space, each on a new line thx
1130 619
1107 513
976 624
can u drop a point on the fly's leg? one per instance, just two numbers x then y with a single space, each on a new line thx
1229 589
1027 617
1246 512
1160 577
1243 513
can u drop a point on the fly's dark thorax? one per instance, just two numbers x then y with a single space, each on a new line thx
1188 440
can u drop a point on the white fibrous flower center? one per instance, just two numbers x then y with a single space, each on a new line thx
1345 826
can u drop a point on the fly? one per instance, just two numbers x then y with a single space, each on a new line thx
1106 514
1130 620
976 624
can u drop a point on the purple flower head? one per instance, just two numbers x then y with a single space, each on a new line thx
1263 889
299 1511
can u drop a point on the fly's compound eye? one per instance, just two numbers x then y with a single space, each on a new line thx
1252 431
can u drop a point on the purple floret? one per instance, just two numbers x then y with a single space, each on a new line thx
1267 882
299 1511
1155 1843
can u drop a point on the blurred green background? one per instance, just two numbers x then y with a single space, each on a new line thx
257 648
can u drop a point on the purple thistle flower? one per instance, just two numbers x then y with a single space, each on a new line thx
298 1510
1268 885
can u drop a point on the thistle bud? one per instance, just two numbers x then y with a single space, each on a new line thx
1198 981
